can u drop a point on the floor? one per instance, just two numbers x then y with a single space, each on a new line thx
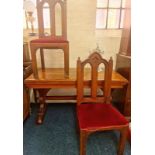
58 134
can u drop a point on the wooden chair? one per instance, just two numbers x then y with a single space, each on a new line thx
95 113
27 71
53 41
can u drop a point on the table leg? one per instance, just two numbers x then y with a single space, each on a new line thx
42 106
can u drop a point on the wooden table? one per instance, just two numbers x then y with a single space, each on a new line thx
54 78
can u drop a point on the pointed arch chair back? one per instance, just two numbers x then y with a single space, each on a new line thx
94 60
52 12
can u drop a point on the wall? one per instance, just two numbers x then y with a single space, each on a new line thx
82 35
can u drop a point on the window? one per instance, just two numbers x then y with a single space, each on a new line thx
110 14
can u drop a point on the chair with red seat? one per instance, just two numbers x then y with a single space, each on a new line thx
96 113
52 41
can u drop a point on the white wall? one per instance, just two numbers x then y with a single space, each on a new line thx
83 36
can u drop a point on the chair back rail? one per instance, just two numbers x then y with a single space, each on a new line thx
52 4
94 60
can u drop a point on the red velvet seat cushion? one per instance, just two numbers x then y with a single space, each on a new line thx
95 116
50 40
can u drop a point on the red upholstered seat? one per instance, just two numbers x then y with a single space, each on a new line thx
50 40
95 116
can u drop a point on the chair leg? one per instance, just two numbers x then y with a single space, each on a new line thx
66 60
42 58
123 138
34 61
83 142
35 95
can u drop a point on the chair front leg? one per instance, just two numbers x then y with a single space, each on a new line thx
123 138
83 142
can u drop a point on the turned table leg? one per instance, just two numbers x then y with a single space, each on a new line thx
42 105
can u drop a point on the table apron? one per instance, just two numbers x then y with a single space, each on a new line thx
68 85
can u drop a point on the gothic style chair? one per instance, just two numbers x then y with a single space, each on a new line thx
53 41
95 113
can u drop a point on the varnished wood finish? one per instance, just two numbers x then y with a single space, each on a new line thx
35 95
52 45
95 60
122 97
35 46
26 56
54 78
83 142
42 58
26 103
126 72
27 70
42 106
123 138
52 4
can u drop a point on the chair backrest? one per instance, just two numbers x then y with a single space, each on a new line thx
94 60
52 13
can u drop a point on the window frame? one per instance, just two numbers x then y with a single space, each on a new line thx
107 8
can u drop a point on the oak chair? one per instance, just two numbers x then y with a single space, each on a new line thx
95 113
52 41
